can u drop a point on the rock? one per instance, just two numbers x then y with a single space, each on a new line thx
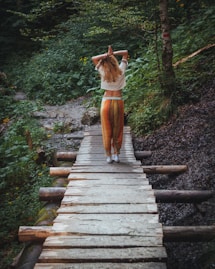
19 96
91 116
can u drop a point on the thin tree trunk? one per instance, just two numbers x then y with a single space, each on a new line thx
167 54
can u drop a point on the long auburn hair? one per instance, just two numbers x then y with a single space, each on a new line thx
111 68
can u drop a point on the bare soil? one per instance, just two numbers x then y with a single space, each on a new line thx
188 138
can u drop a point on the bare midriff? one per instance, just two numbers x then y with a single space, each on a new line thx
115 93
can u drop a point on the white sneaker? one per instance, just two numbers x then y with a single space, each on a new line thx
116 158
109 159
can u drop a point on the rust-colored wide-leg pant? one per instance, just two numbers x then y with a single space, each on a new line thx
112 121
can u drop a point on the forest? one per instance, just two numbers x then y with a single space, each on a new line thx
45 52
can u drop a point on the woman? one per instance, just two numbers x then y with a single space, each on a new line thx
112 107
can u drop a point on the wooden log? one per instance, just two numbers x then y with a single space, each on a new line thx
71 156
188 233
34 233
182 196
60 171
170 233
162 196
66 156
139 155
164 169
51 193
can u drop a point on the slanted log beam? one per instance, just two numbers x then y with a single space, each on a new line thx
171 233
34 233
164 169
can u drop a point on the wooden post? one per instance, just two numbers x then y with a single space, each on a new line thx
164 169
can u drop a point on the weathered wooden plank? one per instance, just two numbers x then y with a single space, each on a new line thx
111 198
107 182
108 208
140 265
118 177
78 241
108 189
112 219
98 156
107 168
94 227
135 254
101 162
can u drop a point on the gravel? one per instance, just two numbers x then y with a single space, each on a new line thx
188 138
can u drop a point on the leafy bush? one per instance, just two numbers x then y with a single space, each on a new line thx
21 175
58 73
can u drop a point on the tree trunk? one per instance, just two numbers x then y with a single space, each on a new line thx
167 54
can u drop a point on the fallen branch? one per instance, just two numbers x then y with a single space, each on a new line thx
193 54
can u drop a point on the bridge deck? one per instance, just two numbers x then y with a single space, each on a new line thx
108 217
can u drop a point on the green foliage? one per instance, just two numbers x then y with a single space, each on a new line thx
21 175
145 104
58 73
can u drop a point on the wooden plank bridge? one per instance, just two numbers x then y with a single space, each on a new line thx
108 216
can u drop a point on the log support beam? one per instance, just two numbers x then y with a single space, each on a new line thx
188 233
150 169
164 169
162 196
71 156
170 233
182 196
